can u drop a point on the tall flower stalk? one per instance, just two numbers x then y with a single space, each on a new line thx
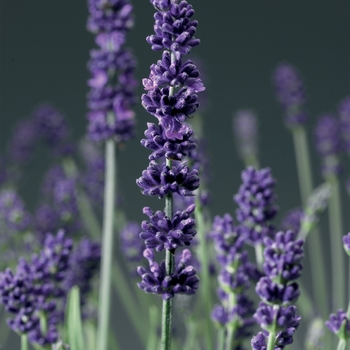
111 120
171 97
328 145
290 92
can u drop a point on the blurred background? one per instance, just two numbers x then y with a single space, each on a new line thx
45 47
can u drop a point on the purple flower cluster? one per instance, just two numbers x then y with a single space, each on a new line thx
339 324
52 128
131 245
292 220
256 204
155 280
328 143
290 93
278 290
344 113
12 211
35 288
112 82
171 97
234 278
84 262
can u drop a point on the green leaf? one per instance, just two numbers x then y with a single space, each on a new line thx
73 324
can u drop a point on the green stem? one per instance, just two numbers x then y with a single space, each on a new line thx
84 205
271 341
221 339
259 255
120 284
341 344
43 323
251 160
314 240
337 251
167 309
152 337
231 327
107 247
205 282
24 342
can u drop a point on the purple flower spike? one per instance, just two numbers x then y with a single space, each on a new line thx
346 242
328 143
344 113
290 93
339 324
160 180
183 281
162 232
256 203
131 244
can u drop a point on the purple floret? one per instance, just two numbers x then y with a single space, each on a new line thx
346 242
159 180
155 280
339 324
292 220
162 232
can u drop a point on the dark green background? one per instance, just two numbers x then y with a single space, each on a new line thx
45 47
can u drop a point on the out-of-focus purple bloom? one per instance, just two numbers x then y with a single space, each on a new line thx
290 92
83 264
65 203
245 128
112 69
35 288
162 232
46 220
344 113
131 244
234 277
159 180
23 140
12 211
346 242
256 203
292 220
339 324
328 143
51 126
52 176
93 180
155 280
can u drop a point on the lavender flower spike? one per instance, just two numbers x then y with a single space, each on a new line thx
339 324
278 290
112 69
171 97
290 93
328 143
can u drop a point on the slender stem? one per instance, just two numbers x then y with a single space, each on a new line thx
336 243
152 337
341 344
205 282
231 327
221 339
43 323
314 243
24 342
107 247
167 309
84 205
259 255
271 341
